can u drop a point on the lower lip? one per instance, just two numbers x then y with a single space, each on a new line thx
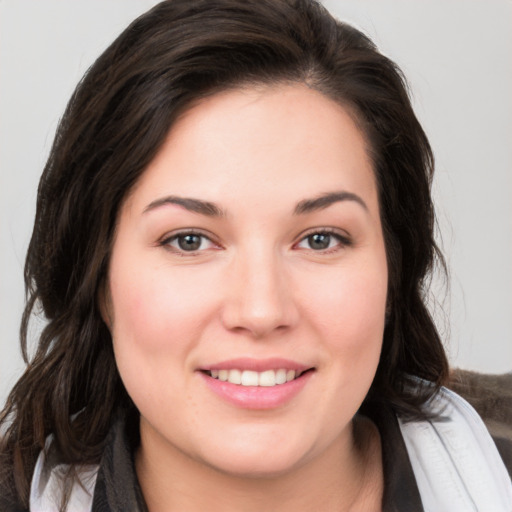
257 397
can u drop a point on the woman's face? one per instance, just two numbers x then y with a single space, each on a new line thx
251 250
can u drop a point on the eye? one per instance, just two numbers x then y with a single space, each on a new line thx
190 242
323 241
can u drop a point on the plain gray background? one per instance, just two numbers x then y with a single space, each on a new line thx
457 55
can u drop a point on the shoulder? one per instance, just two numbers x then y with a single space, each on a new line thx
491 397
455 461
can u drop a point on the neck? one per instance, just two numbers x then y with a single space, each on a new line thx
348 476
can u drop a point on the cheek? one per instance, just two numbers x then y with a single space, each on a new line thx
158 319
355 333
350 312
155 308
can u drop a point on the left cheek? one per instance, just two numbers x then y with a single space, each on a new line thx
350 312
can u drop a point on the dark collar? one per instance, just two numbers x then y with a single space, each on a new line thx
117 487
401 492
118 490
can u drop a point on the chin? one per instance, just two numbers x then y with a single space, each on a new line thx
258 460
245 467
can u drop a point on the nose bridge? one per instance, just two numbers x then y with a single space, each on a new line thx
260 298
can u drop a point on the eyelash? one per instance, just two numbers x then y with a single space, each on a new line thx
342 241
167 241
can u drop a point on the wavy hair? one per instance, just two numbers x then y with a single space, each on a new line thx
115 123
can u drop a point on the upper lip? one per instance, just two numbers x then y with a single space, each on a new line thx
257 365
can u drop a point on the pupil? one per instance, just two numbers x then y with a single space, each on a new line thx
319 241
189 242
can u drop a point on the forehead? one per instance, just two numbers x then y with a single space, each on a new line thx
280 142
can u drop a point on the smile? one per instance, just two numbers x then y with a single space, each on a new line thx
251 389
267 378
250 383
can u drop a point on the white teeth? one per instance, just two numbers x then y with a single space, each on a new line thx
249 378
280 376
235 377
268 378
290 375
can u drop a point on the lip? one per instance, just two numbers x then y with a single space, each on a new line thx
257 365
257 397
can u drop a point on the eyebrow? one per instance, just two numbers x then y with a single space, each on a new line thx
325 200
190 204
213 210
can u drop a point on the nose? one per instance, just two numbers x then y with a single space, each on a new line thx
259 296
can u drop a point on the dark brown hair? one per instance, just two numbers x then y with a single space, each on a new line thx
114 125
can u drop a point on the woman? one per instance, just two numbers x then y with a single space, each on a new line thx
233 233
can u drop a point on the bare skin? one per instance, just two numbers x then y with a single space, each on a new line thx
353 486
